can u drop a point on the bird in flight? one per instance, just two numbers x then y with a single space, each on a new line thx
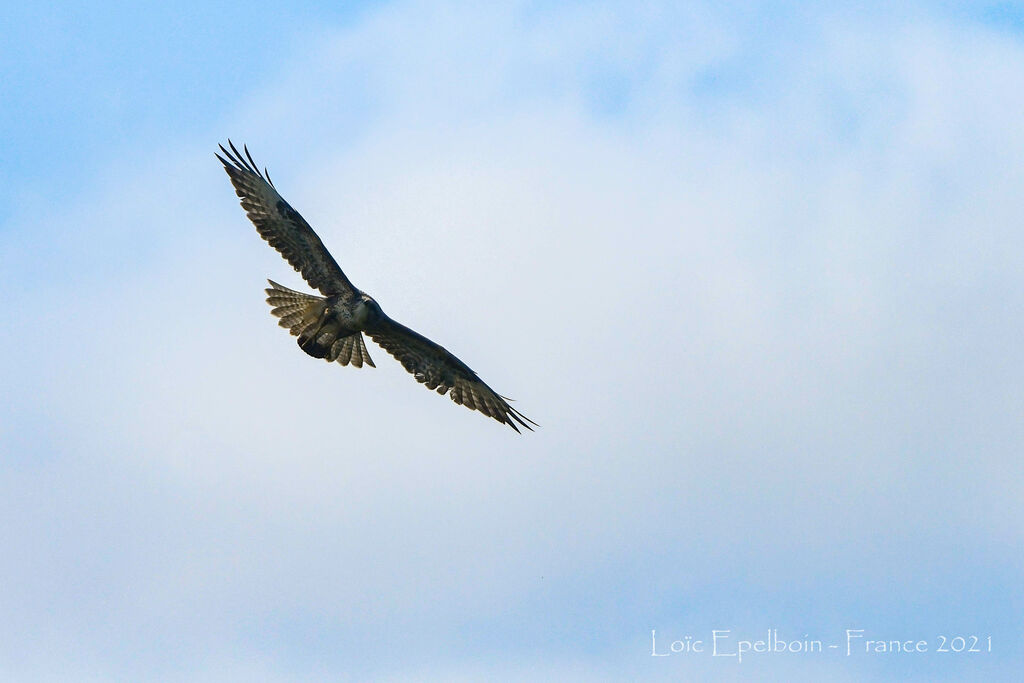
332 326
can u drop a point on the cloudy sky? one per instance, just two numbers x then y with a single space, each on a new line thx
756 268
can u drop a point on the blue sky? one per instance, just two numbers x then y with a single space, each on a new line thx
755 268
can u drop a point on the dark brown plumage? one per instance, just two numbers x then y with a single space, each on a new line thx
332 326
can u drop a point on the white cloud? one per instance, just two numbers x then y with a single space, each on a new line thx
753 329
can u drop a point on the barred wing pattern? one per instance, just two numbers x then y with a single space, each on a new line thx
282 226
329 328
434 366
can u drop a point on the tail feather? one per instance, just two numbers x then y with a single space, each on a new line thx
351 349
297 311
305 316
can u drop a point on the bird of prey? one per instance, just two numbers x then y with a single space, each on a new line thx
332 326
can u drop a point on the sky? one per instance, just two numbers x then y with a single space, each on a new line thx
757 270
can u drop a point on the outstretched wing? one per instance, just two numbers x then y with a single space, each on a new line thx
282 226
434 366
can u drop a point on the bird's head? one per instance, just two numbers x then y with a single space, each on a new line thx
367 311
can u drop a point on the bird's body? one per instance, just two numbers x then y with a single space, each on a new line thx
331 327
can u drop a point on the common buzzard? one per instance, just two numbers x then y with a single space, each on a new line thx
331 326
